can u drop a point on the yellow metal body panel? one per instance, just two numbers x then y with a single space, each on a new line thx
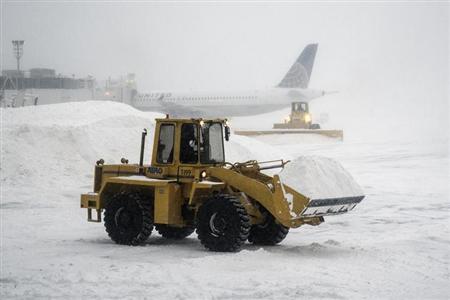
203 189
90 200
115 184
119 170
168 204
139 180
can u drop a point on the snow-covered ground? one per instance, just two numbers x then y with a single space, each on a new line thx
395 244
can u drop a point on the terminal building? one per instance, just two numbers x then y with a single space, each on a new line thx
44 86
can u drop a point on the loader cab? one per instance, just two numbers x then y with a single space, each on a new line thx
186 145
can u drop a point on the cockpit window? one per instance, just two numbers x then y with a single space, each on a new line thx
211 144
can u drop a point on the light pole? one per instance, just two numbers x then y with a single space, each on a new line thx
18 52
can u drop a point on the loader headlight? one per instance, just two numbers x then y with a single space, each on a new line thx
307 118
203 174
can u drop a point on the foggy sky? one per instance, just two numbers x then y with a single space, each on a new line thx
371 51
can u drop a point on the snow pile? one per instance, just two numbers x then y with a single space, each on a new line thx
53 145
71 114
57 145
319 177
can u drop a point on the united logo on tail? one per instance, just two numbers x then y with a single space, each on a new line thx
299 74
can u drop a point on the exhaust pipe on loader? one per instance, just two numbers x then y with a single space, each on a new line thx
141 157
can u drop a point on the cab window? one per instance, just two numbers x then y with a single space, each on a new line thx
165 144
303 107
212 151
188 145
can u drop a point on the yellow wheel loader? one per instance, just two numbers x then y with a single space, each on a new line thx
299 118
189 186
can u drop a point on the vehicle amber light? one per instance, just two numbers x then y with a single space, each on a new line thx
307 118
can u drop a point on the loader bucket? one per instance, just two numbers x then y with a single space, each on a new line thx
318 207
332 206
318 186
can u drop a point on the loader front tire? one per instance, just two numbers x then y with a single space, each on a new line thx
223 224
128 218
176 233
269 233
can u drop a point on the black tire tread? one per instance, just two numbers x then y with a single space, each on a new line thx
145 207
269 233
225 244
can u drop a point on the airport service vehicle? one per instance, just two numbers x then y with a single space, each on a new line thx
299 121
299 118
189 186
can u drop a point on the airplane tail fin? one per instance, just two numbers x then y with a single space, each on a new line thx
299 74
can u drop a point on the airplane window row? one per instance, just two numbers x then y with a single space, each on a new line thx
210 98
145 99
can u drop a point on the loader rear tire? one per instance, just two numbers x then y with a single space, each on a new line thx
128 218
223 224
176 233
268 233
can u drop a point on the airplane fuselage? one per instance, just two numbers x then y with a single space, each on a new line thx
292 88
219 104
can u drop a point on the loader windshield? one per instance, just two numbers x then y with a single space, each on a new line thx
211 141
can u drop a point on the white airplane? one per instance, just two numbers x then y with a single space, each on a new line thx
292 88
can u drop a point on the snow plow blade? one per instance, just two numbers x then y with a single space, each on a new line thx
335 134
